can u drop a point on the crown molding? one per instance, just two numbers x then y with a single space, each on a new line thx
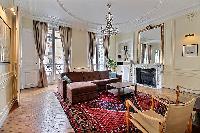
133 24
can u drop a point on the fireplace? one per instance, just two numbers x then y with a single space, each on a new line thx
146 76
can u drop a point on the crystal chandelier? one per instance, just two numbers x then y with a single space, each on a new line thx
109 30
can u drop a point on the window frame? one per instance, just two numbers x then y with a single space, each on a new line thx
97 58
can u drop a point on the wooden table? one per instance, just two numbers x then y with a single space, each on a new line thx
120 86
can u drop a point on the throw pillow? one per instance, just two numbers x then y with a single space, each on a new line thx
112 74
65 78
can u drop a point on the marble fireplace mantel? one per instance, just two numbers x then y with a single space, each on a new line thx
158 75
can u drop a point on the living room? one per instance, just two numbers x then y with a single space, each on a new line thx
71 70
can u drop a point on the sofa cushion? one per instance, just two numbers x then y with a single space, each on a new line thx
75 76
81 87
90 76
101 82
104 74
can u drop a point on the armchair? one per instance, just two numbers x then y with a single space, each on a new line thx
175 120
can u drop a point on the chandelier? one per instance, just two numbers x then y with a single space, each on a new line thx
109 30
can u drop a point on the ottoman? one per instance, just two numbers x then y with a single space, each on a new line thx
81 91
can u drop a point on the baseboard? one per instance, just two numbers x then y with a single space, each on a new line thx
6 111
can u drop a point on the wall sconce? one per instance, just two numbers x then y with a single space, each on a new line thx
189 35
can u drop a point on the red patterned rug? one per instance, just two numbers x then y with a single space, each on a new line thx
105 113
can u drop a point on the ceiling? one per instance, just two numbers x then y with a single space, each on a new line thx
90 14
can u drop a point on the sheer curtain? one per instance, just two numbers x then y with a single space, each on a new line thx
66 37
143 56
149 54
40 30
91 50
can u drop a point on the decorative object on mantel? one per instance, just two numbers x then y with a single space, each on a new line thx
5 42
190 50
109 30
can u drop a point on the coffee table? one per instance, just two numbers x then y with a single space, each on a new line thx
120 86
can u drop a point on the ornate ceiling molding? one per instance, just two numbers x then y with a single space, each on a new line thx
192 9
132 24
52 20
140 19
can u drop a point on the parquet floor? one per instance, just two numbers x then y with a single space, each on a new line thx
39 111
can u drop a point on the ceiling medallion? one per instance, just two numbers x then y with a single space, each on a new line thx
97 26
109 30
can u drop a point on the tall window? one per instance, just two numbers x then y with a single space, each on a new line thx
54 55
99 58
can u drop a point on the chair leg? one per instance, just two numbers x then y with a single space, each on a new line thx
152 103
127 115
161 127
189 126
177 94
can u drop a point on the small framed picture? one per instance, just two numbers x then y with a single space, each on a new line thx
190 50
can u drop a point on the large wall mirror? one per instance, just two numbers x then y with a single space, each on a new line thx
150 48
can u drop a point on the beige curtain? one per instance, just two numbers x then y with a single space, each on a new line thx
106 44
66 37
91 49
40 30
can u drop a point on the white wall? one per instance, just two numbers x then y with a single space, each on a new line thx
79 48
179 70
8 93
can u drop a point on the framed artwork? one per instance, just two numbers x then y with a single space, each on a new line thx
190 50
5 42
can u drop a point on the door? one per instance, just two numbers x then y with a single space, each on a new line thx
54 56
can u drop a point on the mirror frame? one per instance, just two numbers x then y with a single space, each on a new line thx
147 28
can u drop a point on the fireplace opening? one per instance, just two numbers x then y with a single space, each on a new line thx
146 76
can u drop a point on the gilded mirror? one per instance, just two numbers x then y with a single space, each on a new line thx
150 47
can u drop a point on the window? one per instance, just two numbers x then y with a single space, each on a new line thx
99 58
54 55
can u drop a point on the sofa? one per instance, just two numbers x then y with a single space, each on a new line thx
84 86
